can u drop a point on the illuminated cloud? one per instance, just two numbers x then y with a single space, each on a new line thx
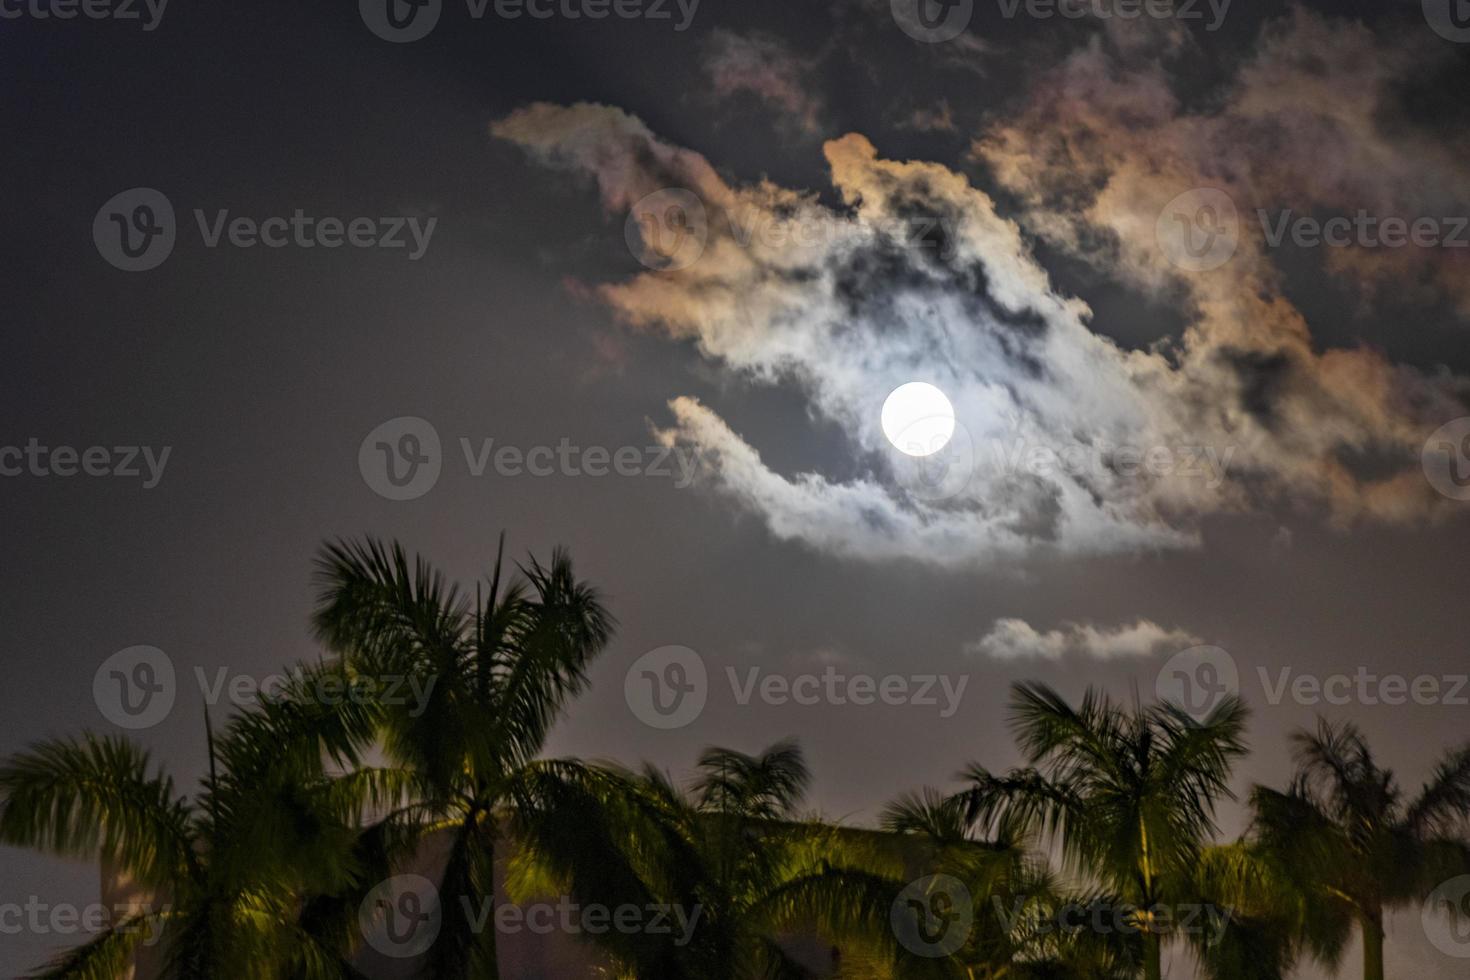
1317 121
1069 443
1016 639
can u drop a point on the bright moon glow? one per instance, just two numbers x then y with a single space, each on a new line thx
918 419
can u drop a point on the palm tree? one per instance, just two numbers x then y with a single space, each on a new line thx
230 867
1129 795
1016 932
497 670
1256 915
732 852
1352 848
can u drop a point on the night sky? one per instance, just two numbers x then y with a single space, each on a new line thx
990 213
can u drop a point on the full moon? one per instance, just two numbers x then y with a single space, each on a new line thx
918 419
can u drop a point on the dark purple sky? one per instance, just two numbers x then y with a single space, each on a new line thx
1039 158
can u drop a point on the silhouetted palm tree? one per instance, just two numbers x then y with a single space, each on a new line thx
1129 795
1254 913
1351 848
225 871
733 848
497 670
1017 930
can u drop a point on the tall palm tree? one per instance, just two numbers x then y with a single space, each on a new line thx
1352 846
497 669
226 871
1129 795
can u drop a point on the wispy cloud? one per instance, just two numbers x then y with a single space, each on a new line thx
1316 120
1016 639
765 67
939 119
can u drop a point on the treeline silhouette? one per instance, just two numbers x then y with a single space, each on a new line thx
311 803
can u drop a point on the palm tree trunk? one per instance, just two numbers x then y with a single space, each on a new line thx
491 941
1373 946
492 947
1153 957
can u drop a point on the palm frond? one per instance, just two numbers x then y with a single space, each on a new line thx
91 797
768 786
1442 805
106 957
